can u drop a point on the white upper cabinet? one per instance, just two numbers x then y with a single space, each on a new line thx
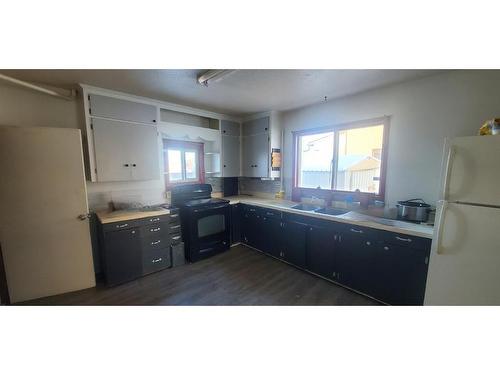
119 109
261 136
231 146
125 151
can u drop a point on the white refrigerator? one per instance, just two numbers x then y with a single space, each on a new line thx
464 268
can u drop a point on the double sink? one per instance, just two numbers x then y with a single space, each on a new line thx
320 210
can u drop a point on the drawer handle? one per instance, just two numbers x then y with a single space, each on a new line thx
403 239
386 247
176 237
356 230
122 226
174 215
175 226
155 230
156 260
155 242
251 209
154 219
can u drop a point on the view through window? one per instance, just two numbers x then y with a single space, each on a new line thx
183 162
344 160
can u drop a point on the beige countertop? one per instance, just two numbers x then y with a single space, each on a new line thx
352 217
106 217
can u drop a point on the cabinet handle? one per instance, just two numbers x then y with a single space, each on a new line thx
174 215
155 230
356 230
368 243
134 165
176 237
224 165
386 247
156 260
403 239
155 242
175 226
121 225
335 239
154 219
125 165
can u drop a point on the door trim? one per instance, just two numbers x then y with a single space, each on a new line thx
4 289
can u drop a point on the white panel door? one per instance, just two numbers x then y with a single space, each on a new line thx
111 146
474 172
46 246
465 269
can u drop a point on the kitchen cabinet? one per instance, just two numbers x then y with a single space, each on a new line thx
321 247
388 266
235 223
119 109
294 243
125 151
231 155
122 256
355 259
259 137
132 248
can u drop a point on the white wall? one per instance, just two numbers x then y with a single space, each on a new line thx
423 113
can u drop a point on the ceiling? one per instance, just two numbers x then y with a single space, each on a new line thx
241 93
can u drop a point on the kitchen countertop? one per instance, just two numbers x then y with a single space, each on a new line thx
352 217
106 217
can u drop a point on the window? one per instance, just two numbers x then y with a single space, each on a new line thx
183 162
342 159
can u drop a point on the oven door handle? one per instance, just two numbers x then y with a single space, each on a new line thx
197 210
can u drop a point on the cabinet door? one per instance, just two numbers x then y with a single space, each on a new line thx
256 126
122 256
111 142
271 234
256 155
104 106
230 156
143 152
321 243
250 224
355 261
235 223
230 128
294 243
401 273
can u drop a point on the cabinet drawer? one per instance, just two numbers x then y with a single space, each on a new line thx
175 238
155 260
355 230
155 219
121 225
155 242
406 240
155 230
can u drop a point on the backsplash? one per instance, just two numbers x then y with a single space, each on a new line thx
255 186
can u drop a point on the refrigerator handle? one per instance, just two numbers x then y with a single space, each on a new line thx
439 227
447 170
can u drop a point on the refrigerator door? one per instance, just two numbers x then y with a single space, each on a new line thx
464 268
471 170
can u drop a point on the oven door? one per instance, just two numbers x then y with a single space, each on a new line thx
209 232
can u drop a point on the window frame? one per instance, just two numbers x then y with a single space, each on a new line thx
298 191
184 146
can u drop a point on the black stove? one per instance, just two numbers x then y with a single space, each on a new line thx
204 220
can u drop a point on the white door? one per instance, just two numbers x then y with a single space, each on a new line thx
464 264
46 246
474 173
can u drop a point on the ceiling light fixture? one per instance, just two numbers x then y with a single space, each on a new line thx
211 76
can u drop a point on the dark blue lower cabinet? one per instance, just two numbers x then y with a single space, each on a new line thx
271 233
321 246
294 243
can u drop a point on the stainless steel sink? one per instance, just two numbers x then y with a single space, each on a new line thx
306 207
331 211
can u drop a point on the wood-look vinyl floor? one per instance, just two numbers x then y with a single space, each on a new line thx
240 276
